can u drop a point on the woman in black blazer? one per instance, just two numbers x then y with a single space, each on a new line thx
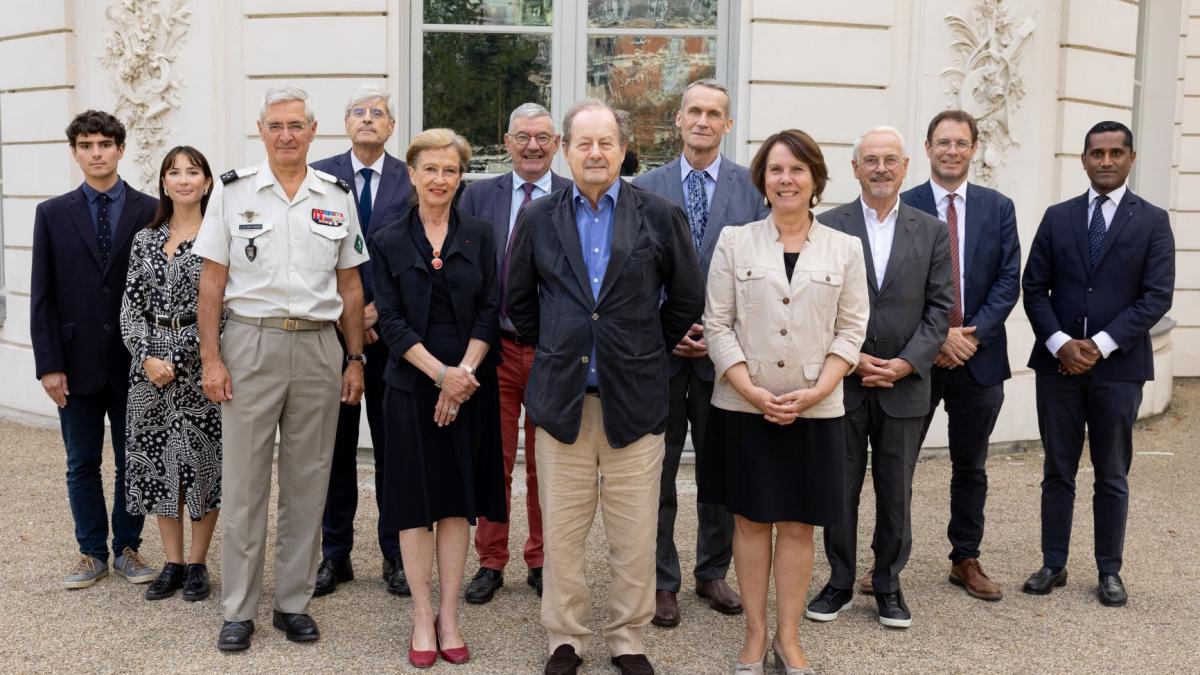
434 273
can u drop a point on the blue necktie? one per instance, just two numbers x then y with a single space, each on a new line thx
1096 229
364 200
103 228
697 207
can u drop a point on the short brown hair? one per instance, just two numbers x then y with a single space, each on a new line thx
960 116
435 139
803 148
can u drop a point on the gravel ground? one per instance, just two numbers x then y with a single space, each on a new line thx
110 628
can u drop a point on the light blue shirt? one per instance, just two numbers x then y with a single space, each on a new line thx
710 176
595 238
541 189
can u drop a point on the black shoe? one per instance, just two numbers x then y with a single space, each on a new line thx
330 572
829 603
534 579
393 574
485 584
633 664
1045 580
1112 591
297 627
564 661
169 580
893 613
195 582
235 636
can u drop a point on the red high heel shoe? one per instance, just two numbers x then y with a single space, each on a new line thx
422 659
454 655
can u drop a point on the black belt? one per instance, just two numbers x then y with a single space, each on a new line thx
171 320
515 337
591 390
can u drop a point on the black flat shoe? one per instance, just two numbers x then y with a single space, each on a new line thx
330 572
296 627
1045 580
195 582
169 580
484 586
393 574
534 579
235 636
893 612
1112 591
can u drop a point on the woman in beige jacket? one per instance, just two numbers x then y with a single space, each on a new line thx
785 316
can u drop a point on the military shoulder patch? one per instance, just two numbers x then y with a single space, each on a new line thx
330 178
230 176
358 244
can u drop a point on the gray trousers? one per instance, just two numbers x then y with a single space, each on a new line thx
290 381
690 398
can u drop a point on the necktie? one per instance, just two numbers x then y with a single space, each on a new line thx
697 207
103 228
528 188
1096 229
956 312
364 200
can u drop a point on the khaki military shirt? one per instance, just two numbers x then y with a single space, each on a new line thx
281 253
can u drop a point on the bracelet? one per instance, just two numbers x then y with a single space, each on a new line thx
441 377
470 369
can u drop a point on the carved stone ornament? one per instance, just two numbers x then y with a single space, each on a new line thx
985 82
141 52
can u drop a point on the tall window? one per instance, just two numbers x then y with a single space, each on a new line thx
479 59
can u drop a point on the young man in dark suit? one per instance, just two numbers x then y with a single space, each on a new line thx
531 142
970 369
381 190
713 191
1100 274
80 257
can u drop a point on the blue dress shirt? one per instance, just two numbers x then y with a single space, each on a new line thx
595 237
116 193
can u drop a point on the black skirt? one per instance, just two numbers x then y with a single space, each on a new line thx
770 473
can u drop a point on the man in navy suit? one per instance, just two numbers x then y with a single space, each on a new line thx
531 142
971 367
1101 273
713 192
381 191
80 257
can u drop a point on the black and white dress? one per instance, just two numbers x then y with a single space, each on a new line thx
174 432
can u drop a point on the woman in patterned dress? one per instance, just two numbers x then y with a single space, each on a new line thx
173 459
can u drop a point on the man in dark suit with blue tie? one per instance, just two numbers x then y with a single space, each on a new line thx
381 190
1100 274
713 192
531 142
972 365
80 258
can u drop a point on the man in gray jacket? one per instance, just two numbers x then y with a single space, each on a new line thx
713 192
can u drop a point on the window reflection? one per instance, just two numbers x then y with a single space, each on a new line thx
490 12
652 13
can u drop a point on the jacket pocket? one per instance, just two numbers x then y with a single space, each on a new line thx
826 287
323 246
250 249
751 283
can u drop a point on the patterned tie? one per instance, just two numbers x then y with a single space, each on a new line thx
364 200
956 312
1096 229
528 188
103 228
697 207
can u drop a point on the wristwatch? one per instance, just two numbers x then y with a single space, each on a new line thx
362 358
470 369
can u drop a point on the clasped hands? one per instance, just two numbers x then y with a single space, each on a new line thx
882 373
1076 357
457 387
959 347
692 347
785 408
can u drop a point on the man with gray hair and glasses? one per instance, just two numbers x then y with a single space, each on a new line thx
381 191
281 243
531 142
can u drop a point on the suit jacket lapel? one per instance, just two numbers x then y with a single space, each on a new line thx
726 186
130 214
83 222
901 241
568 238
854 223
625 225
1120 220
973 225
501 210
674 186
389 184
1079 227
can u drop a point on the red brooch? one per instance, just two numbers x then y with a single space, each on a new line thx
437 259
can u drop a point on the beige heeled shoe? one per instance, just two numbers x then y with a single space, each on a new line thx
758 668
782 666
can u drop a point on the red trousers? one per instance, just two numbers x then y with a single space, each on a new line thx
491 539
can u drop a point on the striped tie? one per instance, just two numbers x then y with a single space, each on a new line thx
956 312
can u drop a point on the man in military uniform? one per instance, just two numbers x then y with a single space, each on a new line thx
281 243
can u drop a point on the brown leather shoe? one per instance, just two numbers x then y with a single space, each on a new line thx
564 661
719 595
968 574
633 664
666 609
866 585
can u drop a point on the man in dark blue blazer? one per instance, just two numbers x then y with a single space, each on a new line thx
1100 274
381 191
531 142
713 192
971 367
80 258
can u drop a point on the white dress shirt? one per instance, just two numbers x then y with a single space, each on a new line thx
941 197
709 173
1102 339
880 233
541 188
358 166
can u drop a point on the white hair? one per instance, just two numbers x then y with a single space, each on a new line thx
283 95
370 92
529 111
879 130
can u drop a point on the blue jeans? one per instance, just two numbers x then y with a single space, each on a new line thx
82 422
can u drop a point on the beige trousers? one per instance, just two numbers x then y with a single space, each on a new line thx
290 381
571 479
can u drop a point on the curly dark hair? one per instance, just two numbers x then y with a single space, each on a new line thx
96 122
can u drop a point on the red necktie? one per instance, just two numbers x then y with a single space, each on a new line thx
956 312
528 188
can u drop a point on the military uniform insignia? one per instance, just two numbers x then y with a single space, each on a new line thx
248 215
251 251
344 185
358 244
328 218
230 176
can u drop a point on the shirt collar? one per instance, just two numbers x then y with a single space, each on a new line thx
939 192
612 192
265 177
357 165
542 183
114 193
686 168
869 213
1115 195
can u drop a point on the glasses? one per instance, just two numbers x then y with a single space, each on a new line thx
945 144
276 128
523 139
870 162
361 113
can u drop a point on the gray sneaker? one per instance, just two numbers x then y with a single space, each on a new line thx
87 571
131 566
